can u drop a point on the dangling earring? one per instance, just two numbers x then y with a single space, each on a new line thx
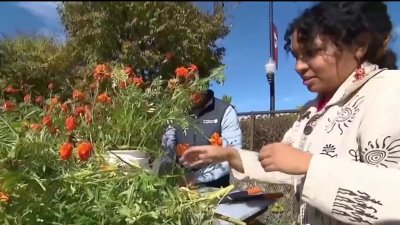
360 72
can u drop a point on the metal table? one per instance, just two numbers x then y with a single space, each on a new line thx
241 210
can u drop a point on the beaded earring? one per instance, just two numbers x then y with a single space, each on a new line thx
360 74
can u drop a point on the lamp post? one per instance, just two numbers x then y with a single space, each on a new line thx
270 66
270 70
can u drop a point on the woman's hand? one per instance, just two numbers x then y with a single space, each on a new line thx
198 156
284 158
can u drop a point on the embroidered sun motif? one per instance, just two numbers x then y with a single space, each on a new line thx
329 150
344 117
381 153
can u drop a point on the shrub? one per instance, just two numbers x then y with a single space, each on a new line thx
267 129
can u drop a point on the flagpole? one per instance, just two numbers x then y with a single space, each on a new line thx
271 22
270 67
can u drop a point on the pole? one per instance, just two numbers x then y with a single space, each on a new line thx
271 81
271 21
272 93
271 76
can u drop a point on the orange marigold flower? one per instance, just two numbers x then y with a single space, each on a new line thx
85 150
215 139
8 106
66 150
39 99
47 120
181 148
128 70
70 123
100 68
78 95
11 90
101 72
36 127
27 98
181 72
55 100
193 68
196 98
4 197
79 110
103 98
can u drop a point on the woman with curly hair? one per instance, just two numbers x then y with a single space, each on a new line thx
343 153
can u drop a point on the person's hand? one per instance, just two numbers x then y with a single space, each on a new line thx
284 158
198 156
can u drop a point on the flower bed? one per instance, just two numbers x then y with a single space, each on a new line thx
54 159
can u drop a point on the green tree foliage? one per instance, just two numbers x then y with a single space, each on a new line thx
38 61
152 37
227 99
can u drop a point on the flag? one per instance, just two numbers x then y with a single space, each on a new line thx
275 44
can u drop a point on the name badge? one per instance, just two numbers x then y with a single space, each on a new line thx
205 121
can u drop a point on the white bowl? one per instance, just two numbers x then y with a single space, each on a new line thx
135 157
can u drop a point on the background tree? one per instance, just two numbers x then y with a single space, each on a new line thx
152 37
227 99
37 61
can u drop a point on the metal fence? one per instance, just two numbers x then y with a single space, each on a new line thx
264 113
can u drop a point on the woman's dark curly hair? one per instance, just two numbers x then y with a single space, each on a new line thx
342 23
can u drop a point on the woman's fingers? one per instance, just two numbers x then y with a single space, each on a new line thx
268 165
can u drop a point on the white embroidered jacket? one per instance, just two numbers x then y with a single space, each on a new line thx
354 175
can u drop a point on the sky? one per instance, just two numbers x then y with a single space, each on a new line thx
247 47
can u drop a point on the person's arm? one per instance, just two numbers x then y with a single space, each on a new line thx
251 169
232 135
246 165
365 192
230 128
168 144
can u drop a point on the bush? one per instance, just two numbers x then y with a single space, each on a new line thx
54 155
37 61
268 129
